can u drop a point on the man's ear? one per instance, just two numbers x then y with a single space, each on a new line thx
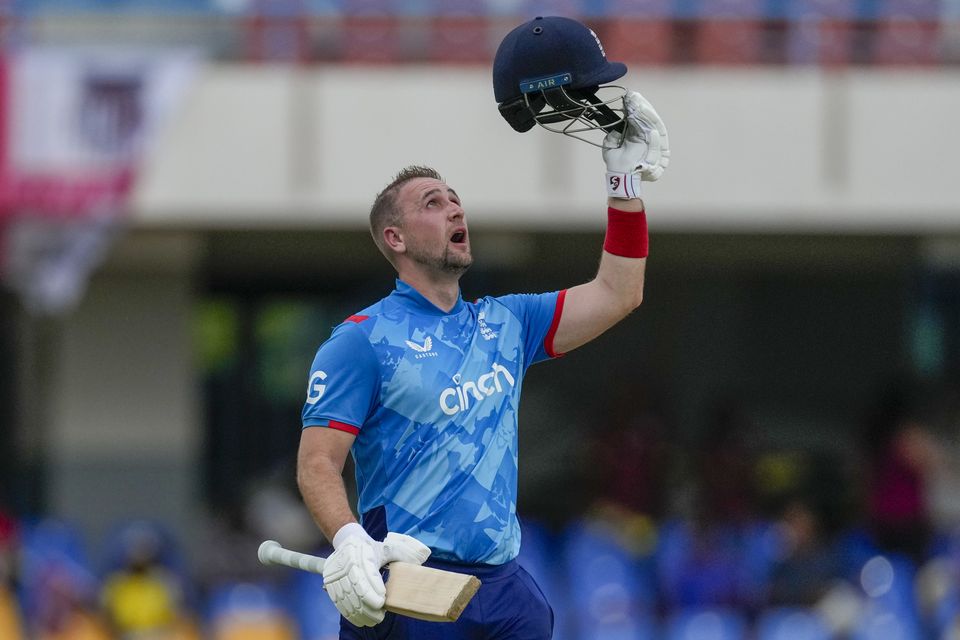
393 238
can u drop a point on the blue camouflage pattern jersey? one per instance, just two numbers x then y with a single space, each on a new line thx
433 400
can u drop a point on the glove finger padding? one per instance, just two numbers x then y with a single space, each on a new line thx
398 547
650 169
641 114
351 575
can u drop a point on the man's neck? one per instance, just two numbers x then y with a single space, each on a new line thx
442 293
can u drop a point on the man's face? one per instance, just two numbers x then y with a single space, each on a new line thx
434 226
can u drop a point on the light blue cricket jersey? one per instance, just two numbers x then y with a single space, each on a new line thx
433 399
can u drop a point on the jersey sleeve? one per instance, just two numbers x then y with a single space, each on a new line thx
539 315
344 382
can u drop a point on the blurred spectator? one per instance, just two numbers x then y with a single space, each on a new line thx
56 588
807 567
901 454
631 455
11 625
66 606
229 550
144 598
727 467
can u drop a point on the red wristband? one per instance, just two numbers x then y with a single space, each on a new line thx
626 233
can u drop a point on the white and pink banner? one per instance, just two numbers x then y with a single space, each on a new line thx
75 124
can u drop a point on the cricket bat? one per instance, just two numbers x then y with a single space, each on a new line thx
412 590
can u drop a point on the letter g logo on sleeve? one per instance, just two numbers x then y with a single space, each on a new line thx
315 388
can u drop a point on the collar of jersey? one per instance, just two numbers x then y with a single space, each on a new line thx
411 298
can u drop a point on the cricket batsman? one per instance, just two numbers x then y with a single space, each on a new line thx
423 388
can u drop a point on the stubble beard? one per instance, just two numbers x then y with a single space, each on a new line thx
447 263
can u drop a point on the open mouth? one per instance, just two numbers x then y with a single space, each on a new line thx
459 237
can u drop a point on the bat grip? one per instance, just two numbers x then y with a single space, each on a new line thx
270 552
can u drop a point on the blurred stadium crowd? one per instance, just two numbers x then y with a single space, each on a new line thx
712 542
658 32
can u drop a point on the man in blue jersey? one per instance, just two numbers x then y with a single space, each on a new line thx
423 389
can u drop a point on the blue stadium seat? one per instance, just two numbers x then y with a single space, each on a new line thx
244 610
52 538
885 625
891 611
908 9
945 614
243 598
51 549
612 592
855 546
132 7
731 9
705 623
901 596
123 537
323 8
312 608
571 8
762 544
645 9
824 9
458 8
539 551
788 623
698 568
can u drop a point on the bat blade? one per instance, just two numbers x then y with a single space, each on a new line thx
427 593
412 590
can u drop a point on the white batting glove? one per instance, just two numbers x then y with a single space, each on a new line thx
351 574
641 153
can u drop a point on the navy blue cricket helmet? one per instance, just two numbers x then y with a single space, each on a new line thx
548 72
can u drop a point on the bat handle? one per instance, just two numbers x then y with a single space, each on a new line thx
270 552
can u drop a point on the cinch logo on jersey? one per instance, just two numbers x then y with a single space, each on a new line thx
453 400
314 388
423 350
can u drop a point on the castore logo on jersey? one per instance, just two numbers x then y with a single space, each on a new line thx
423 350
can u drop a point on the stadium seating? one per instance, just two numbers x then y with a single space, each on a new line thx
313 611
539 551
706 622
247 611
698 567
51 547
891 610
790 624
640 41
614 594
645 32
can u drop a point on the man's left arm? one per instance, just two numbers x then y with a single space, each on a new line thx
640 154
